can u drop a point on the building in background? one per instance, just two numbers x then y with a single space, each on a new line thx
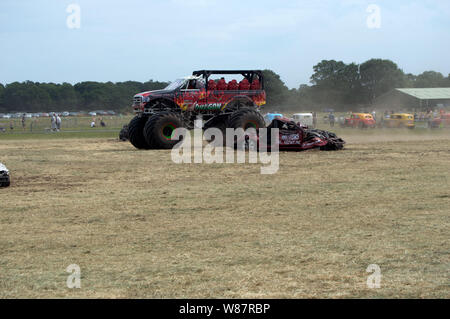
414 99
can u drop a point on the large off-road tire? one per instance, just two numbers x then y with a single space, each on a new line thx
221 124
123 135
136 133
246 118
159 129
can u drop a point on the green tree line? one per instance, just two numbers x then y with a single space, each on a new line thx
343 87
46 97
333 84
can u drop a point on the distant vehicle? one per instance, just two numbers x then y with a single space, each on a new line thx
443 121
92 113
4 176
65 113
111 113
269 117
360 120
400 120
305 119
7 116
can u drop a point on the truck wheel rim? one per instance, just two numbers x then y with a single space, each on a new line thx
167 131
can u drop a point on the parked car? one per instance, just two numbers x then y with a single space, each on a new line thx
305 119
4 176
361 120
401 120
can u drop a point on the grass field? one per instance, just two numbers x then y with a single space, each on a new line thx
139 225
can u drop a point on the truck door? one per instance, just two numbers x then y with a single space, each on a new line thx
193 95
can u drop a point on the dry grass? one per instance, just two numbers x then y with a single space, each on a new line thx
141 226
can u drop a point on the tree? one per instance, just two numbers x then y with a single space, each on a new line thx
336 84
378 77
430 79
276 91
2 91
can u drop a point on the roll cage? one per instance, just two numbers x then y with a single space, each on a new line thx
250 75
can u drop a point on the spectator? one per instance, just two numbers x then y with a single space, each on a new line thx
58 123
53 119
23 121
102 123
331 118
11 125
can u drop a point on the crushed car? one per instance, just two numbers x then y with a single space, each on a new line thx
294 137
4 176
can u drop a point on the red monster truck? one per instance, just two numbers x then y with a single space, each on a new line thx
293 137
218 103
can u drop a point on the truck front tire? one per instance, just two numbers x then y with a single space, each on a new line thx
136 133
158 130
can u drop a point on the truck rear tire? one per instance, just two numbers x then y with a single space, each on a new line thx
136 133
159 129
246 118
123 135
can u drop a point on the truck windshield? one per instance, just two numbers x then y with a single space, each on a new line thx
176 84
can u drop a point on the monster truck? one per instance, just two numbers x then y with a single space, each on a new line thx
293 137
4 176
218 103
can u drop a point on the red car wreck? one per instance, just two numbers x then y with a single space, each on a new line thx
293 137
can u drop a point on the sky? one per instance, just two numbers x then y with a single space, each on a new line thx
164 40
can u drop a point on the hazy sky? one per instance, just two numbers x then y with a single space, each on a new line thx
163 40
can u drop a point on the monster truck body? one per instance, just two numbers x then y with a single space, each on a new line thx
218 103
